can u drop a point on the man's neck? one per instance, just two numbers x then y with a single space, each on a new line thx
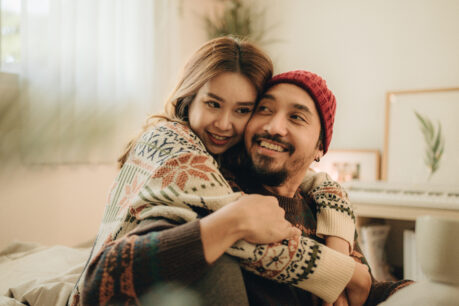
287 189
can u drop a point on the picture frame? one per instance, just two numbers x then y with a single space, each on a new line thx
350 165
421 145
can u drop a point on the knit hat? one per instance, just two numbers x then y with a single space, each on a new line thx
317 88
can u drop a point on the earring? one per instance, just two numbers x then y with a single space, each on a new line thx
317 159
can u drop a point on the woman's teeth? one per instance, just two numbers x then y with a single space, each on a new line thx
219 137
271 146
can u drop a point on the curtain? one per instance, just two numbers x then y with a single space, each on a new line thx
91 72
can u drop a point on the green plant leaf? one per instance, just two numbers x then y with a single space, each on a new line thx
435 143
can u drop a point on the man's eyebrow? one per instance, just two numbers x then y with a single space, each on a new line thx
302 107
268 96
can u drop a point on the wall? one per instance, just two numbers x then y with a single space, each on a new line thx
364 49
53 204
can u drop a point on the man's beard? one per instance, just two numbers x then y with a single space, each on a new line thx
261 172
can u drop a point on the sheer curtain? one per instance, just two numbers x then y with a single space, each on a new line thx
91 72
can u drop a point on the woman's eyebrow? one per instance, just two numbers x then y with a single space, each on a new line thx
246 103
212 95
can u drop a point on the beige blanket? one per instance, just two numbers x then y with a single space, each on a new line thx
39 275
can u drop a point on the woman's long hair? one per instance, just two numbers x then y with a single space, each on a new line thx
224 54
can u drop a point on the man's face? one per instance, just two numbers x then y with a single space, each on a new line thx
282 136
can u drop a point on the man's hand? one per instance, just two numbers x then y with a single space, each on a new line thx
359 286
342 246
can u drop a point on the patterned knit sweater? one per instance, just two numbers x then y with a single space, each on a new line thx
170 175
302 212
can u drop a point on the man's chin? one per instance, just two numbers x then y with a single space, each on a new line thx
268 176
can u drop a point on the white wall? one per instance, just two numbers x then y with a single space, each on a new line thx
364 49
53 205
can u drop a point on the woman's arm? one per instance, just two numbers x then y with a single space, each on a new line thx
127 268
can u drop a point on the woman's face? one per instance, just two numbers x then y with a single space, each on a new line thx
221 110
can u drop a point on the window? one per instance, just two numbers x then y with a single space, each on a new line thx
10 31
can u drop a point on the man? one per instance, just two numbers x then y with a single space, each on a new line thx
291 127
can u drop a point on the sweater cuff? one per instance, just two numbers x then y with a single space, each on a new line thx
331 222
184 255
332 274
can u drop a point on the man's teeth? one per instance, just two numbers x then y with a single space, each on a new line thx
271 146
219 137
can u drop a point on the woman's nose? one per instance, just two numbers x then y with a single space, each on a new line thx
223 121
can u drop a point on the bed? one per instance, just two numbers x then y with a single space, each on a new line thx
33 274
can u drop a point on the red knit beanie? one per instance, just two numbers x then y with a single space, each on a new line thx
317 88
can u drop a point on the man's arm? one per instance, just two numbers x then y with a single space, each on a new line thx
335 215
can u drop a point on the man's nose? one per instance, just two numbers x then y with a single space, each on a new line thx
223 121
276 125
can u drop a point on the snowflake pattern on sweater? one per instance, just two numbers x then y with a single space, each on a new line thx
169 172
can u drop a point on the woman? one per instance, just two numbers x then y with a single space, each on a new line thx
151 230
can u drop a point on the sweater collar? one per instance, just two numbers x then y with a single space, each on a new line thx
290 205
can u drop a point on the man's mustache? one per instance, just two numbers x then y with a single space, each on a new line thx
276 138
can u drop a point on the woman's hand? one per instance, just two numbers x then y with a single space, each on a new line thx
254 218
262 220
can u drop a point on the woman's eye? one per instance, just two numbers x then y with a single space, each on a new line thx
244 110
212 104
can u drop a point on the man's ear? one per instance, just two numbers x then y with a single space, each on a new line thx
320 151
319 155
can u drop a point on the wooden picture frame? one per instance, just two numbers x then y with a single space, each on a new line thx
350 165
410 154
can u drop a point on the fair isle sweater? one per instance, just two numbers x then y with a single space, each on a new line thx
167 178
302 212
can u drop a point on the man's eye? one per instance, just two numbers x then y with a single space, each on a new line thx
244 110
212 104
297 118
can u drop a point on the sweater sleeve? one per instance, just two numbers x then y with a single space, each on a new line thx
154 252
335 215
301 262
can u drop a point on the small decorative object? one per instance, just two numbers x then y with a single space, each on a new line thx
236 19
350 165
421 144
435 143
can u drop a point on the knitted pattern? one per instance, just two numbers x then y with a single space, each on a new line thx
168 173
317 88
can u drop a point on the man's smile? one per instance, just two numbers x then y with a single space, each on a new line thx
271 146
268 144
